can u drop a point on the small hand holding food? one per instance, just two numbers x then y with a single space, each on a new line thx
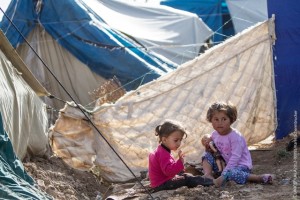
181 156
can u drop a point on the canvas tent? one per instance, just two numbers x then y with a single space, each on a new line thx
23 124
240 70
157 27
286 48
24 113
245 13
286 71
78 47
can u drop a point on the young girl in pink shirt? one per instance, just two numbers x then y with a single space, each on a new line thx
165 172
232 146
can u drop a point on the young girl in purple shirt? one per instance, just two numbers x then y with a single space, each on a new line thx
165 172
232 146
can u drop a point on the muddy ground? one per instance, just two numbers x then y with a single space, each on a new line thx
64 183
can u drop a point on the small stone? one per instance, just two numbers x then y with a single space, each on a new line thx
41 183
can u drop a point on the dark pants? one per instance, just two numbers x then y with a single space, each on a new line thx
184 180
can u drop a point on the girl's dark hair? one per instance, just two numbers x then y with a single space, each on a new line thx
168 127
229 109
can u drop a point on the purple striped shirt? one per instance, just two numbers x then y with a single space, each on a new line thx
233 148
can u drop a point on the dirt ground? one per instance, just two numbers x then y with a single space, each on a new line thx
64 183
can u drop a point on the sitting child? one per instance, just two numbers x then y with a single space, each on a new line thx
210 147
165 172
232 145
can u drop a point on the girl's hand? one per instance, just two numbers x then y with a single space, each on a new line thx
181 156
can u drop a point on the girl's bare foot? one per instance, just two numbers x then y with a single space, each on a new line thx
267 178
208 176
219 181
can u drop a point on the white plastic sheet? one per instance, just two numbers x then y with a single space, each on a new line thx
23 112
240 71
175 34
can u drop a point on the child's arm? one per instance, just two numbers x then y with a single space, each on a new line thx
181 156
236 152
169 165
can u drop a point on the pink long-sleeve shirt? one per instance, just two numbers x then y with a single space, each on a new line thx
163 166
233 148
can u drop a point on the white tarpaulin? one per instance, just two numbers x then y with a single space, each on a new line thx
23 112
240 71
63 64
175 34
245 13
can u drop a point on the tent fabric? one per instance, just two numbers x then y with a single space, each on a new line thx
246 13
12 55
157 27
24 114
15 182
74 75
210 11
286 65
85 35
239 71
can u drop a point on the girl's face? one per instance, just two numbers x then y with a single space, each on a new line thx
173 141
221 122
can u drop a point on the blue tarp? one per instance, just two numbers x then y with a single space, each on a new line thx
84 34
85 43
210 11
287 64
286 50
15 183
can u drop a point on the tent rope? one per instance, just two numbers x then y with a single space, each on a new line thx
54 97
77 105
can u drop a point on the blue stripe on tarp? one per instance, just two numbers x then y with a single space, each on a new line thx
210 11
89 39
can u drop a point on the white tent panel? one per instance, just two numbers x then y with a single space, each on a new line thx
23 112
245 13
68 69
239 71
175 34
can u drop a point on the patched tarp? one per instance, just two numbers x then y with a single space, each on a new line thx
79 48
239 71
